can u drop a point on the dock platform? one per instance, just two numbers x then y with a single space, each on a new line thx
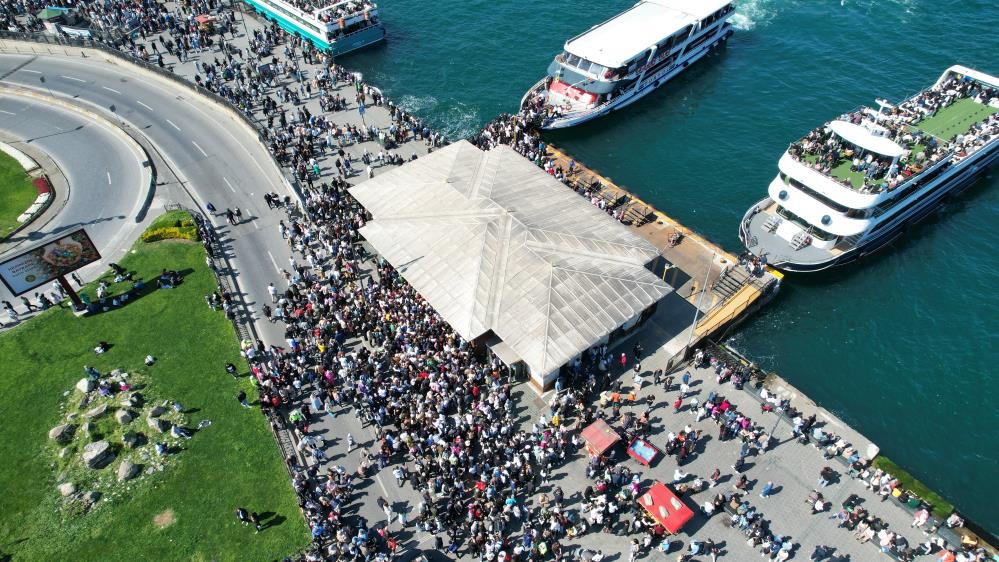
709 281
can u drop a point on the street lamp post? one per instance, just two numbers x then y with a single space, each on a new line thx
697 308
242 19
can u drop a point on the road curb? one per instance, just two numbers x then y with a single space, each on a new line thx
148 169
44 198
16 46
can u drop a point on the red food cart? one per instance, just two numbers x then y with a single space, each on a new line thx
665 507
599 437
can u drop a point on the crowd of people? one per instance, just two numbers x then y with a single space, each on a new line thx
360 341
824 151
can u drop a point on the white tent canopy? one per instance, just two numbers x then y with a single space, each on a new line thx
494 243
861 137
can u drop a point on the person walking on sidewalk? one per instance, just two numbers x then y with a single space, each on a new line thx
768 489
11 313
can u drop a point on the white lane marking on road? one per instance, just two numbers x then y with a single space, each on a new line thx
7 112
109 178
71 78
238 143
31 71
172 124
111 89
226 180
203 153
273 261
144 105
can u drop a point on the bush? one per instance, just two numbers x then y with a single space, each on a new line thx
172 225
170 233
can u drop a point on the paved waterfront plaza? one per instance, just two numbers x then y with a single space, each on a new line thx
326 242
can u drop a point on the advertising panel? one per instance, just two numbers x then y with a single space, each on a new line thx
42 264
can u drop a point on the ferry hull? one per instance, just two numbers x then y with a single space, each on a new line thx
954 185
630 97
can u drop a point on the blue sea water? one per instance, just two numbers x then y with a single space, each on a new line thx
900 346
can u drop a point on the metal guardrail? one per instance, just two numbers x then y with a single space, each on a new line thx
248 119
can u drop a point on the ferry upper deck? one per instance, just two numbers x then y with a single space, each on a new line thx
338 26
842 184
626 37
875 152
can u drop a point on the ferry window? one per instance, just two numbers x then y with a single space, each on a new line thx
597 69
584 65
572 60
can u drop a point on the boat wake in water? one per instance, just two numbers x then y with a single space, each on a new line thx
752 13
456 119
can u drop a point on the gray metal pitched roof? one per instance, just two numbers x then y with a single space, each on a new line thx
494 243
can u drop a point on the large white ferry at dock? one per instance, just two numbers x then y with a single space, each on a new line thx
854 185
618 62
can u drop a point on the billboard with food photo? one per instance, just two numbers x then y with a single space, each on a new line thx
44 263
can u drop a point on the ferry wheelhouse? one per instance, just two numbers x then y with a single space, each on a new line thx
625 58
337 27
855 184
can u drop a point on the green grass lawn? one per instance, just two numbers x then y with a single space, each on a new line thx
955 118
842 171
16 193
234 462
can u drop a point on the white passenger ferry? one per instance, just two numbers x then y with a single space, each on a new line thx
335 26
855 184
628 56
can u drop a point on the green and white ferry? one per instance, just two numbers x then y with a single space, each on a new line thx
852 186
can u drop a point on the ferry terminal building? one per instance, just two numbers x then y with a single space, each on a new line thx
510 257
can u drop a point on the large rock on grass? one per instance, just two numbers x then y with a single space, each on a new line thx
161 426
90 498
131 400
123 416
67 489
130 440
127 470
157 411
85 385
62 433
97 454
96 412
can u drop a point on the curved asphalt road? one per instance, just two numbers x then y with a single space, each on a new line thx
215 158
102 171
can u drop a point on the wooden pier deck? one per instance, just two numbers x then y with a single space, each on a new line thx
697 263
